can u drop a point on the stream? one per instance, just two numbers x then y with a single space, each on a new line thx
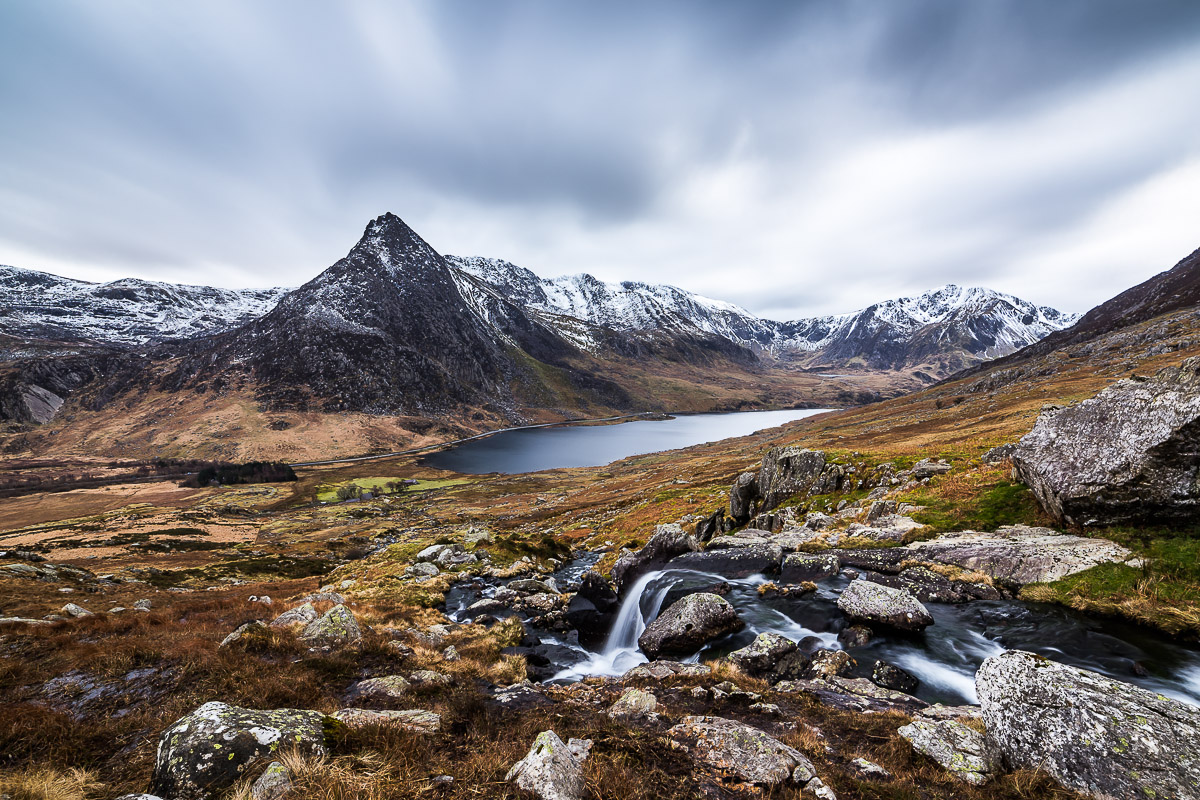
944 657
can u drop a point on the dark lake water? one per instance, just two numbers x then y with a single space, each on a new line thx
594 445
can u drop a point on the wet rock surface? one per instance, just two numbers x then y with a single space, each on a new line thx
875 603
688 624
667 542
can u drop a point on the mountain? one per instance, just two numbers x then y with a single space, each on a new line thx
942 330
126 312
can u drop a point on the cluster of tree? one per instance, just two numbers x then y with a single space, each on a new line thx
353 491
220 473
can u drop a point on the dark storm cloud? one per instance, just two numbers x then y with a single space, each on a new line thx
747 151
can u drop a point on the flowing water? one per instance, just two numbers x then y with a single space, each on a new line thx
944 658
594 445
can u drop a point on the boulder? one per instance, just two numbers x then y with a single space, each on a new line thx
252 633
593 608
688 624
880 509
300 615
742 497
787 471
927 468
667 542
334 630
206 752
801 567
830 663
661 670
1018 554
533 586
1127 455
416 720
750 754
868 602
387 687
552 770
762 654
961 750
889 676
1093 734
732 562
423 569
854 636
633 703
76 611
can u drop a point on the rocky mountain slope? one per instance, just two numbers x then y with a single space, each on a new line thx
129 311
945 329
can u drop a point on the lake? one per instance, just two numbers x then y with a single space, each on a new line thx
594 445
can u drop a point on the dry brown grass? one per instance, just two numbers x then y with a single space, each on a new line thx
50 784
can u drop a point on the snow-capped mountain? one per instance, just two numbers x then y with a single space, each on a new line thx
127 311
968 323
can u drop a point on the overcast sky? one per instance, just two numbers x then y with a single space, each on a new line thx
794 157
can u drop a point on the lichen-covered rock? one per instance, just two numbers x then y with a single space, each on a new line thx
1018 554
801 567
667 542
747 752
830 663
422 569
207 751
74 610
633 703
552 770
927 468
688 624
387 687
961 750
661 670
787 471
1093 734
763 653
416 720
1126 455
336 629
302 614
428 677
273 784
873 602
889 676
742 496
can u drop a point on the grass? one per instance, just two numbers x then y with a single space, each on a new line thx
983 499
328 492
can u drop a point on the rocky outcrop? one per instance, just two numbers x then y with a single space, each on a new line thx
208 750
1018 554
733 562
872 602
801 567
787 471
553 769
1093 734
753 756
387 687
300 615
743 496
335 629
688 624
763 653
593 608
633 703
1129 454
961 750
667 542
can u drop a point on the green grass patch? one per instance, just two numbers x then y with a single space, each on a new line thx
982 505
328 492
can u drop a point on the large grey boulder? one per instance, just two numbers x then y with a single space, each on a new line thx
336 629
801 567
750 754
208 750
553 769
1093 734
688 624
872 602
964 751
787 471
300 615
1017 554
1129 454
763 653
667 542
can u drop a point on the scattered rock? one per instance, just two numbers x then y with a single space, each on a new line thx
300 615
1126 455
273 784
76 611
416 720
660 670
1092 733
634 703
873 602
552 770
428 677
206 752
927 468
532 586
252 633
751 755
961 750
763 653
800 567
890 676
334 630
732 562
830 663
423 569
688 624
387 687
999 453
142 605
324 596
869 769
854 636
